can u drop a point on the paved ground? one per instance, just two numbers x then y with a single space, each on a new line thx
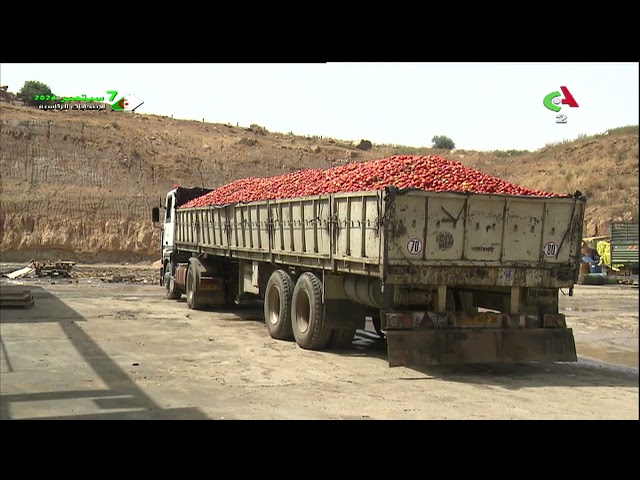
112 351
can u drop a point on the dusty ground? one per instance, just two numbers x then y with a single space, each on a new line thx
114 351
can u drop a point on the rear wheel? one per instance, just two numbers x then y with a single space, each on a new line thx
170 284
193 296
307 314
376 319
277 305
463 300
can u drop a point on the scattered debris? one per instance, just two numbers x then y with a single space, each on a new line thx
119 278
23 272
53 268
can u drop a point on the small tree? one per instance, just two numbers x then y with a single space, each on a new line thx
440 141
31 89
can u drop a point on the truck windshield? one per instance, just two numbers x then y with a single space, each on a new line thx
169 208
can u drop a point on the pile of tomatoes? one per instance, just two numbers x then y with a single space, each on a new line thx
430 172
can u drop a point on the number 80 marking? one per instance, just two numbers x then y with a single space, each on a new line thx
550 249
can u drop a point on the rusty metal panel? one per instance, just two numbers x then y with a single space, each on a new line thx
522 231
557 239
427 227
372 228
342 212
287 227
488 275
281 217
358 226
200 226
299 240
484 227
407 228
206 240
428 347
314 226
227 232
219 227
238 231
261 220
445 227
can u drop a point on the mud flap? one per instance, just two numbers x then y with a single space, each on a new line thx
428 347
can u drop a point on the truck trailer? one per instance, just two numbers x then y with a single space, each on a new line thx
449 277
624 248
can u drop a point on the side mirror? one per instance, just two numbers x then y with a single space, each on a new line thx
155 214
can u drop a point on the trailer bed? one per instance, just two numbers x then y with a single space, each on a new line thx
400 236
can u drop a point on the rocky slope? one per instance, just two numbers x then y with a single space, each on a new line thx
80 185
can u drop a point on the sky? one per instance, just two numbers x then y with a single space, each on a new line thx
480 106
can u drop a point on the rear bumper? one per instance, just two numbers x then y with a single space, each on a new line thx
428 347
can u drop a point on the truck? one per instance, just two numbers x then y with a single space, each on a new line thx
624 247
448 277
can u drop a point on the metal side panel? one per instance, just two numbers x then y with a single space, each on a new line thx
624 243
523 230
429 228
357 226
261 233
625 253
312 229
484 228
219 221
300 226
430 347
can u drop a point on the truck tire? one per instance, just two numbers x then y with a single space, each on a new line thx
376 319
277 305
464 301
170 284
307 313
194 301
342 337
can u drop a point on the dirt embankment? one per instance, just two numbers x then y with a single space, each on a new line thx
81 185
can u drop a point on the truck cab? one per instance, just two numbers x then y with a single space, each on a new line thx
175 198
168 226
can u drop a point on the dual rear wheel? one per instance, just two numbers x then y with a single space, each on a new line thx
294 310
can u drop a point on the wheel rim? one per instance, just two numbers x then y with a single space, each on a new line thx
273 309
167 281
303 311
190 287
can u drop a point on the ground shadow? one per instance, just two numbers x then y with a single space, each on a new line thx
585 372
367 343
121 392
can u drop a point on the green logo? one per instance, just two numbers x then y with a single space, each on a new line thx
127 103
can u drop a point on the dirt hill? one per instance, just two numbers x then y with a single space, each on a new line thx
80 185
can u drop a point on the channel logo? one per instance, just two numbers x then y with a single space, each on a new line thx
555 100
